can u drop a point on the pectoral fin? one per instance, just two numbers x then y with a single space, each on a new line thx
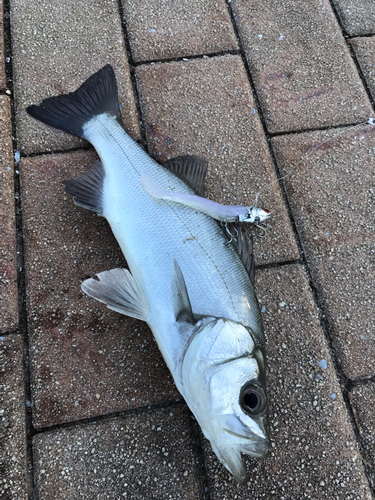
118 289
183 311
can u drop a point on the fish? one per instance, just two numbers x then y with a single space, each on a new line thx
195 292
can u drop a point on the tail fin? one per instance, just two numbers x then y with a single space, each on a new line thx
70 112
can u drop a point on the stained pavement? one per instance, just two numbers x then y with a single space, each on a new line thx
262 90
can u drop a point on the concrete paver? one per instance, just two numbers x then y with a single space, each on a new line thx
331 197
362 399
166 28
302 70
357 16
56 47
364 49
313 454
2 52
8 270
146 455
86 360
13 482
205 107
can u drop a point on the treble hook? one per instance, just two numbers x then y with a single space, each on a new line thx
265 229
232 237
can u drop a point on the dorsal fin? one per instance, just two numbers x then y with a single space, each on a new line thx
244 247
190 169
87 190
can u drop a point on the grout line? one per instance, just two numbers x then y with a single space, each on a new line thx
368 35
324 316
132 66
272 265
186 58
317 129
110 416
9 334
20 266
358 382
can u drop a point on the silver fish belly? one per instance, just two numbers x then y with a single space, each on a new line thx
188 285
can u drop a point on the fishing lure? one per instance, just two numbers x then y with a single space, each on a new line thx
223 213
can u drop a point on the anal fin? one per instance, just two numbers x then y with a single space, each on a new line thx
87 190
190 169
118 289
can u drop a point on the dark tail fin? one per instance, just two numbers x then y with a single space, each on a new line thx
70 112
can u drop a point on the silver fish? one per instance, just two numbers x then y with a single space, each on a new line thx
189 286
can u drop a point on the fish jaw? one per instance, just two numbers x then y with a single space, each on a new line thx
220 361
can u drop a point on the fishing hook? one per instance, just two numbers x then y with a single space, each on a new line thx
232 237
265 229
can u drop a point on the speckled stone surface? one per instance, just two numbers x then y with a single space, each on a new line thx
302 69
13 465
331 194
86 360
166 28
8 270
313 453
2 54
56 46
362 399
364 49
357 16
144 455
205 107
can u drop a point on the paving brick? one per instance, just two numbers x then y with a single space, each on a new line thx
8 270
362 399
314 453
302 69
357 16
364 49
86 360
205 107
331 195
146 455
2 52
166 28
13 483
56 46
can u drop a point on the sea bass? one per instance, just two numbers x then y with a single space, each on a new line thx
193 290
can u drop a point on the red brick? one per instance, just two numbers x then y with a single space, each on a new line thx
86 360
205 107
166 29
56 46
314 452
8 270
302 69
145 455
357 16
331 196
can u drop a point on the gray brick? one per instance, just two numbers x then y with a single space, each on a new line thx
314 454
302 69
8 270
2 48
166 28
364 49
357 16
86 360
146 455
205 107
56 47
13 481
331 197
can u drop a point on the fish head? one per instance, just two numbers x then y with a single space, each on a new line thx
223 377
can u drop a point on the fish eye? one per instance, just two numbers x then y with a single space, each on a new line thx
252 399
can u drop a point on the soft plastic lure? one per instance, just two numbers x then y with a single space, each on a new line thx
224 213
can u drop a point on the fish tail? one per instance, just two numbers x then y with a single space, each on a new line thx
70 112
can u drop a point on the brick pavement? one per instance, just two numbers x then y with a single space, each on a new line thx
253 86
